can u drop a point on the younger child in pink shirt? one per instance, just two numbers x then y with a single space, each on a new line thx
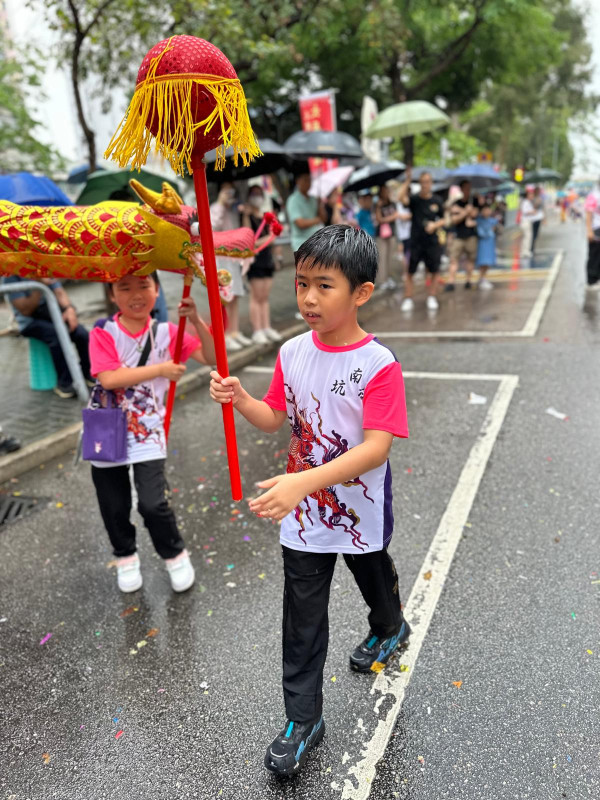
115 350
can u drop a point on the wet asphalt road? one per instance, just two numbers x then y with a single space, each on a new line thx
193 681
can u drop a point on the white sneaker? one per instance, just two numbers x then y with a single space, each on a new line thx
272 334
407 304
260 337
432 303
593 287
129 576
243 340
232 344
485 285
180 571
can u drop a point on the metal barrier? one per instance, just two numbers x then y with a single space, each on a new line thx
79 383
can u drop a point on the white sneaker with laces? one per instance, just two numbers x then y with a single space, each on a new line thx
129 576
243 340
485 285
232 344
260 337
181 572
432 303
407 304
272 334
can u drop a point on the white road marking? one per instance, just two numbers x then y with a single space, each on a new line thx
529 329
425 594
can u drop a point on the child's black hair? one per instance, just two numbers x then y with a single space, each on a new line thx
349 249
153 275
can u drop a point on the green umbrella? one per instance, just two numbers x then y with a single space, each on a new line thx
542 175
102 184
406 119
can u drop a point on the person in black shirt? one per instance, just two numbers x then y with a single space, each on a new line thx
463 214
427 219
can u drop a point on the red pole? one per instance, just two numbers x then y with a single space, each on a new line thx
214 300
187 285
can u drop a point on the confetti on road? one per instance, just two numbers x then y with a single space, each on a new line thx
334 679
590 652
143 643
477 399
128 611
557 414
152 632
262 576
458 684
230 585
44 639
118 734
404 668
46 758
427 576
209 612
60 505
160 691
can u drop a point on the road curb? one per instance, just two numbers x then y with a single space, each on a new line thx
57 444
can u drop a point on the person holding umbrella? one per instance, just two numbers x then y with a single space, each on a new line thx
427 219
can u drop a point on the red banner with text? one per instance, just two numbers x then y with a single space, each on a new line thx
317 113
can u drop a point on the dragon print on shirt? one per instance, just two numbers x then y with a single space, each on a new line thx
309 449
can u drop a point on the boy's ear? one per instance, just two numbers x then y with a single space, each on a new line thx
363 293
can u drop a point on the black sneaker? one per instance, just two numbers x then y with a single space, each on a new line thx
373 654
449 287
287 753
65 392
8 444
467 284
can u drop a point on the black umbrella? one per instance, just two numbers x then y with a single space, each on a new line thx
542 175
272 159
374 175
322 144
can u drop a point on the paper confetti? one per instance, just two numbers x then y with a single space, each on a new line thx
427 575
118 734
143 643
46 758
458 684
477 399
152 632
45 638
334 679
128 611
557 414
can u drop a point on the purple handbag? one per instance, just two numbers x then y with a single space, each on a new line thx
104 429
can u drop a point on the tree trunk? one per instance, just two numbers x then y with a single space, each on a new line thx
408 144
88 133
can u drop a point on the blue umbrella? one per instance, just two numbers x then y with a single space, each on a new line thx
79 174
480 175
26 189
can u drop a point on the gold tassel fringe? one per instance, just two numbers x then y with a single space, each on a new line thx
168 97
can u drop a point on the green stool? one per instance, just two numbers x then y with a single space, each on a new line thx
42 375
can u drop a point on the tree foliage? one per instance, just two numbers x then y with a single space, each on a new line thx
20 146
516 55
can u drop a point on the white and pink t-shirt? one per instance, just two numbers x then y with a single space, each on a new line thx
592 203
112 347
331 396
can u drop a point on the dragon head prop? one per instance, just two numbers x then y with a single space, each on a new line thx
112 239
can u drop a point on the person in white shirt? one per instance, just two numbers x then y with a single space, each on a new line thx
528 215
403 226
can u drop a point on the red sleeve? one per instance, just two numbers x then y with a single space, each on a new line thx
275 397
190 343
384 404
103 352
